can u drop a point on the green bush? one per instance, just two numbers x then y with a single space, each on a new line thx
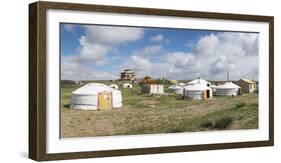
220 123
207 124
240 105
254 105
174 130
223 122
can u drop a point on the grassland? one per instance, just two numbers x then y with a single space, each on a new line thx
146 114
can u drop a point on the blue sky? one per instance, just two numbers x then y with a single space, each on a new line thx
91 52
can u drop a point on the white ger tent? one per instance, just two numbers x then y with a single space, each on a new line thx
177 89
214 89
153 89
181 84
114 86
199 81
228 89
127 85
96 96
197 91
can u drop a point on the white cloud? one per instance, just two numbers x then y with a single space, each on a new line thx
72 70
144 67
228 51
91 53
148 51
228 43
140 63
170 65
182 60
211 57
69 27
207 45
95 45
221 64
99 40
111 35
157 38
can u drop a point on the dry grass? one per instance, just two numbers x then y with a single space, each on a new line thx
145 114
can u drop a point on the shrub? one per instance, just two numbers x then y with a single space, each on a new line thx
223 122
254 105
240 105
66 106
207 124
174 130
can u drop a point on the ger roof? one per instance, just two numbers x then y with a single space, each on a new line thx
199 87
93 88
228 85
175 87
196 81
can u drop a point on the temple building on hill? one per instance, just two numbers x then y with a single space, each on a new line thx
128 74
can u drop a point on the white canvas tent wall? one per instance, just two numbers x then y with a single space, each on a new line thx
199 81
197 91
114 86
228 89
153 89
127 85
181 84
214 89
177 89
86 97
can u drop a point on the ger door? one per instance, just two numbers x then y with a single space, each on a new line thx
105 101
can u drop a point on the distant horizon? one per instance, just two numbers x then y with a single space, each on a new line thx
97 52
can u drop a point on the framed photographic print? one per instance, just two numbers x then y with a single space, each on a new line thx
113 81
